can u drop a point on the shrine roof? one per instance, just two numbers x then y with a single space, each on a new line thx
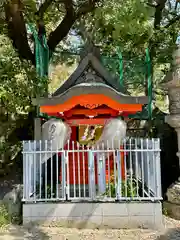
91 88
89 70
90 77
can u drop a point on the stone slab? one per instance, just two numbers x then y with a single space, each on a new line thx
93 215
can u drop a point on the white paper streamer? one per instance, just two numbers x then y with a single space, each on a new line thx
113 134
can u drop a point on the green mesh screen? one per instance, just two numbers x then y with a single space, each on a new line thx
130 73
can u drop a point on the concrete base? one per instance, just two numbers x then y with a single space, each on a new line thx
95 215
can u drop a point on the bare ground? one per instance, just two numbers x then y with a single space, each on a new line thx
171 231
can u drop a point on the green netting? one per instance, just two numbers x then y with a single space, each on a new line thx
131 73
41 56
41 53
134 73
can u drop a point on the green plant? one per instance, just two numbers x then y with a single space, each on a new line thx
129 188
43 191
4 216
165 210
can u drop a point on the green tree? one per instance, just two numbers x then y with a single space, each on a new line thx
130 27
18 84
56 18
119 20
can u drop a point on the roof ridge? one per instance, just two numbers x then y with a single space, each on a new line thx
97 66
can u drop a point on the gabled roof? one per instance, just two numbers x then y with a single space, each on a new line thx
90 88
103 76
90 77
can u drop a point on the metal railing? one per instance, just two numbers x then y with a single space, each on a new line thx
131 172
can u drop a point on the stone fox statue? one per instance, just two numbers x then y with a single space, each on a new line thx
113 134
55 134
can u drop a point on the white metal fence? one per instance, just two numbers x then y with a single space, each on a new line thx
76 172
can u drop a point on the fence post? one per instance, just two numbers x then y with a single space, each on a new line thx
91 168
119 178
158 168
101 165
152 173
28 161
24 173
63 166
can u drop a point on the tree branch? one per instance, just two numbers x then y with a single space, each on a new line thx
151 5
63 28
86 7
162 93
171 22
69 19
60 32
43 8
17 29
69 6
158 13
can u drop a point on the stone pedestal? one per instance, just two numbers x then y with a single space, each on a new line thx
173 119
37 129
173 192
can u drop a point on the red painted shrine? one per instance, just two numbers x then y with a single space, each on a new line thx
89 97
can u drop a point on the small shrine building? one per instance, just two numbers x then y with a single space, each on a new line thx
89 97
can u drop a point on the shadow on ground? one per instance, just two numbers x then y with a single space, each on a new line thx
171 234
23 233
